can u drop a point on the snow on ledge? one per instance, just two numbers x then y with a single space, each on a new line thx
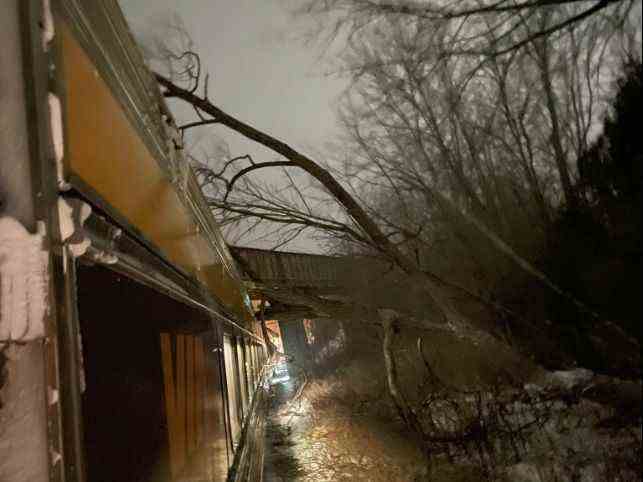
23 283
56 126
72 215
47 24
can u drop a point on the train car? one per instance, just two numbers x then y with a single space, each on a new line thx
129 347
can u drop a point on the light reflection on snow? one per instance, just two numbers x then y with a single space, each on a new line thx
280 379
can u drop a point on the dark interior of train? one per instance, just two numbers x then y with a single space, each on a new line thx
124 402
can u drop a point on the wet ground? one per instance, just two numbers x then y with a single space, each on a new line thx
309 437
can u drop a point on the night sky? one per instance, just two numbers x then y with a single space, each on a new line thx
261 70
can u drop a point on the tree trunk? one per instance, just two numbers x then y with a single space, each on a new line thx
293 336
402 406
559 152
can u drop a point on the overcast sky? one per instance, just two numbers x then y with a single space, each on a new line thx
260 69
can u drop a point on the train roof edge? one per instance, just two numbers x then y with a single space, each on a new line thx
101 29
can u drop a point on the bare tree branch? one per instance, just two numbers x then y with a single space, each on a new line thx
302 161
189 125
251 168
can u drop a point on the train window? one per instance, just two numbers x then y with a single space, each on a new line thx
248 367
255 360
243 375
152 403
232 378
253 365
214 428
255 354
193 395
258 357
251 369
257 365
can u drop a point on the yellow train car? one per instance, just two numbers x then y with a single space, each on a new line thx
128 342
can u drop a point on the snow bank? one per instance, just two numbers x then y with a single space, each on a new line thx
569 378
23 283
565 379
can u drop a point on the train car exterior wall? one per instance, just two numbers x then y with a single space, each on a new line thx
126 232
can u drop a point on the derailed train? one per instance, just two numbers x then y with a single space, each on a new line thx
129 344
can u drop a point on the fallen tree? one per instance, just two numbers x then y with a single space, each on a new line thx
441 315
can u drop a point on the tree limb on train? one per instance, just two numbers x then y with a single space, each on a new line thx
376 237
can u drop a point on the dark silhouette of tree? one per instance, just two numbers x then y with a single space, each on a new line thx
611 169
610 172
512 25
595 249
